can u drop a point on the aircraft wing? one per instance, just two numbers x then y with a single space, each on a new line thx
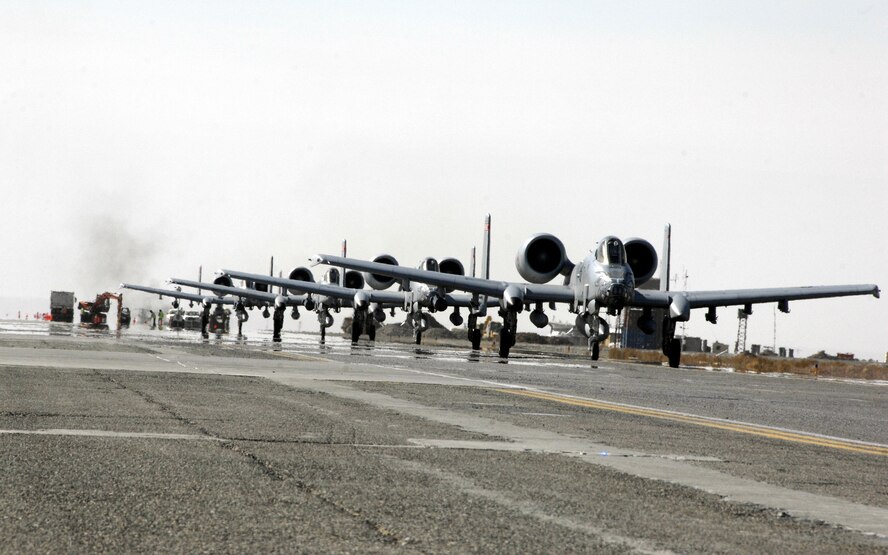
481 286
251 294
728 297
461 300
177 294
389 298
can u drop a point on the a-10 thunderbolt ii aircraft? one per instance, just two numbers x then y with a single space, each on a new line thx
260 295
322 297
605 280
369 304
205 301
225 293
248 298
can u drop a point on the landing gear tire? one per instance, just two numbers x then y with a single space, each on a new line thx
356 332
507 339
371 333
475 338
417 336
674 353
594 350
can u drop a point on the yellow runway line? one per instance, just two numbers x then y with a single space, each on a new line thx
753 429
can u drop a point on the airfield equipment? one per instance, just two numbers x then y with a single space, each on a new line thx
61 306
95 313
125 317
175 319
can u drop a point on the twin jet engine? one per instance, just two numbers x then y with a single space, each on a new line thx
542 257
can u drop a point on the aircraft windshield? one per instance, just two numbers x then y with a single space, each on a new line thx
332 276
611 251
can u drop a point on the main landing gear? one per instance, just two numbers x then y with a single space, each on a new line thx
508 333
671 345
474 332
362 322
204 322
278 322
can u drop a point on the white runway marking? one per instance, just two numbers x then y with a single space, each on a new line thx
105 433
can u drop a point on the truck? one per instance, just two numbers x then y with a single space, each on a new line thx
61 306
95 313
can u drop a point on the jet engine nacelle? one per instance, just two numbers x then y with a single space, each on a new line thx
223 280
541 258
299 273
377 281
642 258
354 280
453 267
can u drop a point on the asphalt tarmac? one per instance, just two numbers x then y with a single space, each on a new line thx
148 441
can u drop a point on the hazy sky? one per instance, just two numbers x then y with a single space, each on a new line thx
139 140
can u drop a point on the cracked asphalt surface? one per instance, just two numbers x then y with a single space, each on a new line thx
131 446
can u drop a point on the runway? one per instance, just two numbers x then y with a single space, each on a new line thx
149 441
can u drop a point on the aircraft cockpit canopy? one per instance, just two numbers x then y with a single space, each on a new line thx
611 251
429 265
332 276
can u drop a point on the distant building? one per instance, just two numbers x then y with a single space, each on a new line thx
718 348
694 345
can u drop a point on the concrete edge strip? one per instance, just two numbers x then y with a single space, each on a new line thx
832 510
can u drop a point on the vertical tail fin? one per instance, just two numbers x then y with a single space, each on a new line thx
485 249
485 264
666 262
270 274
472 263
199 277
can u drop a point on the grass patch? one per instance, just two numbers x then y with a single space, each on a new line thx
761 364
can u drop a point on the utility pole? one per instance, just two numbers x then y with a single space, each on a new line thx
740 345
